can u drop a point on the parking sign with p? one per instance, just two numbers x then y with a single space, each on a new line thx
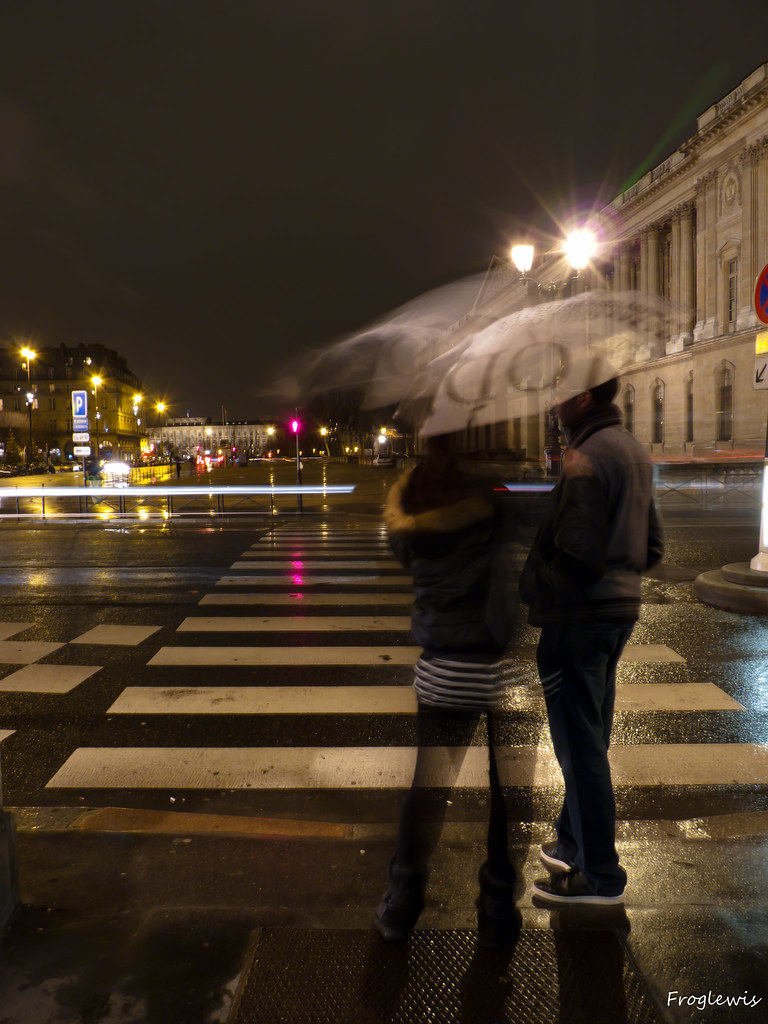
79 410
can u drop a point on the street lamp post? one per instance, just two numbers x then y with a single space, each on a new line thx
579 248
161 407
324 435
136 404
96 381
29 355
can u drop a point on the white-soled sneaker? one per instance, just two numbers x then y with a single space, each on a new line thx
570 888
549 855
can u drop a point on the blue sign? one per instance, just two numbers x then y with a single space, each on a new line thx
79 410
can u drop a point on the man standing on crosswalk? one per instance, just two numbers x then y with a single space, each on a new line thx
582 584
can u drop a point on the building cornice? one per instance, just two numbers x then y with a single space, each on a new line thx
713 123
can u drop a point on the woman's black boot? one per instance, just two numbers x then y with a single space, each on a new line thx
498 919
401 904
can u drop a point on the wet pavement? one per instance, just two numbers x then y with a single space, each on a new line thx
175 904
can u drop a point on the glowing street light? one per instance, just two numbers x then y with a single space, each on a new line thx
324 435
580 246
29 354
522 257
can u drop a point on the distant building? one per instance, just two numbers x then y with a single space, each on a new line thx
185 435
114 418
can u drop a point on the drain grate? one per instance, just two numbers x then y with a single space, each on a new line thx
305 976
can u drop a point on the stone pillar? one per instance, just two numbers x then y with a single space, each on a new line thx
748 263
673 343
622 267
644 261
653 260
686 273
706 257
761 206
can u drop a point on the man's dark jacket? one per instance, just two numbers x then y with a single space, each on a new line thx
600 531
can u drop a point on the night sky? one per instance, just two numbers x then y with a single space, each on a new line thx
213 186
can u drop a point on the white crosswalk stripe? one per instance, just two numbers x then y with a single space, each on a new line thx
300 598
338 572
703 764
368 700
295 576
295 624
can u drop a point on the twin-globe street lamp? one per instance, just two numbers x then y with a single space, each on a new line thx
579 248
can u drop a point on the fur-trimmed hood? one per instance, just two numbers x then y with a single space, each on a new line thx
447 519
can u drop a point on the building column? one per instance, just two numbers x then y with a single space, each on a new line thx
686 274
644 261
621 265
652 256
706 257
761 205
673 342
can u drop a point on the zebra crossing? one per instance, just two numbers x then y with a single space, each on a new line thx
313 613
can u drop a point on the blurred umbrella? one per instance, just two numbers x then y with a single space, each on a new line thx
448 364
384 359
527 352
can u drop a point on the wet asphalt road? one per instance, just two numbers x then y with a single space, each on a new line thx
65 579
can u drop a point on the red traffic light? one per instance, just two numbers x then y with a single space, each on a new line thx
295 426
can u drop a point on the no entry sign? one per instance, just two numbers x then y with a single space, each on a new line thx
761 296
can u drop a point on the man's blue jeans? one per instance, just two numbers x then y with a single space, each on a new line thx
577 668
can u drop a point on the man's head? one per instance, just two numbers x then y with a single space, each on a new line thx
586 385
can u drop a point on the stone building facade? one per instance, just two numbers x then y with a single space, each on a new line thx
114 419
693 231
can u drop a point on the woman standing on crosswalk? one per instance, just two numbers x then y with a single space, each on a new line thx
447 527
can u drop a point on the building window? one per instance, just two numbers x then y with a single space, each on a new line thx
52 404
629 408
732 293
725 403
689 408
658 412
52 426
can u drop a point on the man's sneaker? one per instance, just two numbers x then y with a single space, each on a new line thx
570 888
549 855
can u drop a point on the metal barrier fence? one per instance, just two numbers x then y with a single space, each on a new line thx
54 502
705 487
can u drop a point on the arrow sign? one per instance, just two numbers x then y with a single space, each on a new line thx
761 374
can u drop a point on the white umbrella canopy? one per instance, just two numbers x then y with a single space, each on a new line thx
384 359
448 363
525 354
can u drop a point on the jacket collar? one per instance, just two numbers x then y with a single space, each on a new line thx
596 420
446 519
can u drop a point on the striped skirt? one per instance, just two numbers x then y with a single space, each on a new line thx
461 682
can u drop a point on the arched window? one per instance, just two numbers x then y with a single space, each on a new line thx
724 402
629 408
689 407
657 434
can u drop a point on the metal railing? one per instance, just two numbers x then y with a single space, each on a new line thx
707 487
54 502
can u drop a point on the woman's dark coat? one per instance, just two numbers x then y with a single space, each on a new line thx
459 580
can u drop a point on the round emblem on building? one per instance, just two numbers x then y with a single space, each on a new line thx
730 190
